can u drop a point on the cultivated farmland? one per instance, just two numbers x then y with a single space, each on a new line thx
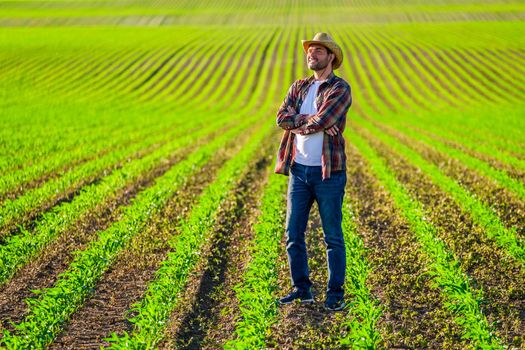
138 204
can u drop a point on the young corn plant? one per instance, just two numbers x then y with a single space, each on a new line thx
162 296
18 249
454 283
54 307
256 294
481 214
359 326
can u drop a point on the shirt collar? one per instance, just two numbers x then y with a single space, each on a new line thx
328 80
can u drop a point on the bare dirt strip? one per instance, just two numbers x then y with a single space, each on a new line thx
414 313
125 282
37 182
365 67
510 209
501 278
511 171
454 69
70 193
379 59
509 86
448 82
206 315
389 59
43 271
481 85
359 85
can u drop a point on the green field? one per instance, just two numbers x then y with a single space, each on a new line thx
138 204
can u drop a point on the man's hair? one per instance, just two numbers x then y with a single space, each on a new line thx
328 51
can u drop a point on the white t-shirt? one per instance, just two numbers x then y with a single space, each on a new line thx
309 148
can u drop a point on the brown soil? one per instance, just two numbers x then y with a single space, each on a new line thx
421 99
414 314
207 312
125 282
496 78
446 80
43 271
356 73
461 75
364 66
481 86
28 218
513 172
508 207
502 279
26 186
389 84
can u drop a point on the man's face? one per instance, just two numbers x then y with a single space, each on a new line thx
317 57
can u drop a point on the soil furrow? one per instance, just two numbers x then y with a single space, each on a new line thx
414 313
207 312
405 76
497 78
125 282
56 173
373 81
508 207
455 67
379 59
445 75
360 85
513 172
424 78
470 70
501 278
43 271
127 279
28 219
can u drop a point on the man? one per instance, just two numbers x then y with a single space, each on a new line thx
313 116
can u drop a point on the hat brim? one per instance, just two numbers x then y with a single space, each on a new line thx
330 45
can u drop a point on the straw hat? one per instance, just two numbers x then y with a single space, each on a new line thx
326 41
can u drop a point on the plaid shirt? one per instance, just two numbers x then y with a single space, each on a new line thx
333 101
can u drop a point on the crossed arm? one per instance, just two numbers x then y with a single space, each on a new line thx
330 112
332 131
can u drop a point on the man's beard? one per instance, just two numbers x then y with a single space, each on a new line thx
319 65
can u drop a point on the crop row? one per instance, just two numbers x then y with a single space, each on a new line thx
482 215
56 304
489 267
463 299
18 249
161 297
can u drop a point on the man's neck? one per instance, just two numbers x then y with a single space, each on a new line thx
320 75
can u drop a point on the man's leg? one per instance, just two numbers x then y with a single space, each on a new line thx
300 200
329 194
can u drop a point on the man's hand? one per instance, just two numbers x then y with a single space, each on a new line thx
300 130
332 131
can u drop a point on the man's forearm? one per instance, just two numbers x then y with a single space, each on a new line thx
291 121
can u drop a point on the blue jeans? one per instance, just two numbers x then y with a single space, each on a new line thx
305 185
